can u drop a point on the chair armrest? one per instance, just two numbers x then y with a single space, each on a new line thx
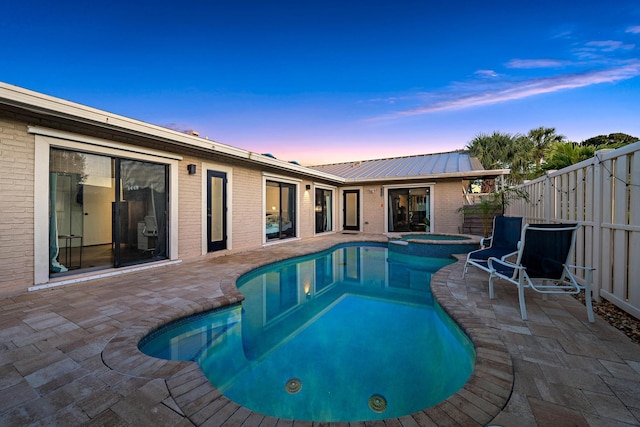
491 260
486 241
504 257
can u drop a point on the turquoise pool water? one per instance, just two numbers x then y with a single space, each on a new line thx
349 334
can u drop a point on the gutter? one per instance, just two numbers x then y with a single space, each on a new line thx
465 175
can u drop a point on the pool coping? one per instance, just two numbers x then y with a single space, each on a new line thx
482 397
468 238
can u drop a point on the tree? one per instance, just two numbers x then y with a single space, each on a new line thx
492 150
501 150
542 139
521 160
561 154
613 140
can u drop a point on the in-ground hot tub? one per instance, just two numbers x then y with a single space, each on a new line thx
433 245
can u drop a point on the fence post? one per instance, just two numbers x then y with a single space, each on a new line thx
598 187
548 198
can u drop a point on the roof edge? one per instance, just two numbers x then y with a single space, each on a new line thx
45 104
469 175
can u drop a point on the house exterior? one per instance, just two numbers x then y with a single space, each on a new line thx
88 193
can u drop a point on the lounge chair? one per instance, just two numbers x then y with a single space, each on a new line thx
542 264
503 243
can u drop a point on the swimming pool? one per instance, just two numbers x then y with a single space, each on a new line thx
344 335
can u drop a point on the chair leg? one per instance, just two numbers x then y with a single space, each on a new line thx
523 308
491 295
466 266
587 294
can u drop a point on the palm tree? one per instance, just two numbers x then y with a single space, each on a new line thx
560 155
503 150
492 150
542 139
521 159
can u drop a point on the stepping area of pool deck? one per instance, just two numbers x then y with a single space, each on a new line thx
68 355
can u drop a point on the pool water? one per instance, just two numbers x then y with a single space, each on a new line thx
349 334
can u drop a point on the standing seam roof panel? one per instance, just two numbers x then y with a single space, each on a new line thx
399 167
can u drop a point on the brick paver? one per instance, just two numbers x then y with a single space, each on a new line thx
69 355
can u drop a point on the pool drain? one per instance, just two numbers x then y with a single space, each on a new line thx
293 386
377 403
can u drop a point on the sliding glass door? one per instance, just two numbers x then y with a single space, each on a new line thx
105 211
409 209
280 210
324 210
142 219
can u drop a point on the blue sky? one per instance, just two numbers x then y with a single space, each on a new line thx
331 81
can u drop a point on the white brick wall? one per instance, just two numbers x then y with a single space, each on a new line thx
448 197
189 209
16 207
248 211
373 209
307 210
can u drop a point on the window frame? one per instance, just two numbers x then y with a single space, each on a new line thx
45 139
334 207
266 177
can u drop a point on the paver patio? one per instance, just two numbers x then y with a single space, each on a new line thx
68 355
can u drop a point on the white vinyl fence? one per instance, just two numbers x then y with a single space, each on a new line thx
602 194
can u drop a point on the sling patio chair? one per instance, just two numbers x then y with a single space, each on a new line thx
542 264
504 243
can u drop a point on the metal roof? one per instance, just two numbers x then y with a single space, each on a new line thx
455 163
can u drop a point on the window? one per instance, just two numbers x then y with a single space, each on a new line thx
280 210
409 209
105 211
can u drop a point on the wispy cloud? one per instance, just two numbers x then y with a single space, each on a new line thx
563 34
610 45
536 63
486 73
598 48
509 91
387 100
599 61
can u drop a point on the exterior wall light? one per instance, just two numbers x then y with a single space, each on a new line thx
191 169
